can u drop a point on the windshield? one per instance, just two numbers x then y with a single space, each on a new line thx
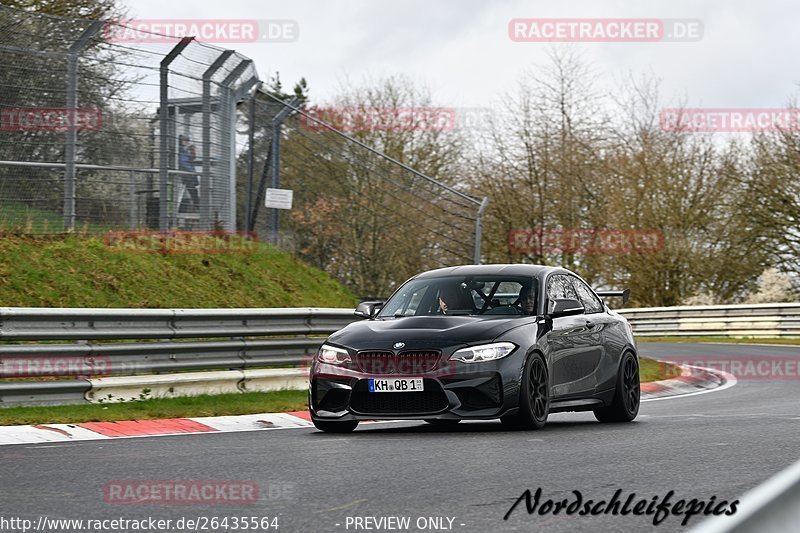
460 295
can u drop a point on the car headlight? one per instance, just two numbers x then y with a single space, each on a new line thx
484 352
332 355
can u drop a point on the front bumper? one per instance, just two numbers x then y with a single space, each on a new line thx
476 395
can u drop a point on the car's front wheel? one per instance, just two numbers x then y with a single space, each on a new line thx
534 397
331 426
627 395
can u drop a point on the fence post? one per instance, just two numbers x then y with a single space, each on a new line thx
70 148
133 209
251 130
229 113
205 185
479 229
277 122
163 125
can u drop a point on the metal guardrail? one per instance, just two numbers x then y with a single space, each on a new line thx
760 320
44 392
44 323
148 341
124 342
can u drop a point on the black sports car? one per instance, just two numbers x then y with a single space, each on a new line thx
514 342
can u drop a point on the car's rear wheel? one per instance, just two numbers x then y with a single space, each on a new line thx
330 426
534 400
627 395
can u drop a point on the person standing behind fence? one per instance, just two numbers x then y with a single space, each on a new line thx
187 156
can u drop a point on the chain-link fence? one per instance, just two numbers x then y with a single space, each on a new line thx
363 215
104 127
101 130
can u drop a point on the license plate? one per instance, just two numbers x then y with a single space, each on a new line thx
395 385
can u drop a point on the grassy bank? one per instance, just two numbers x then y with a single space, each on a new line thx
189 406
74 271
652 370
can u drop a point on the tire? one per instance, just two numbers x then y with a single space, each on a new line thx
627 395
534 397
329 426
442 422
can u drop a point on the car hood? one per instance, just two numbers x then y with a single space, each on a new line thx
425 332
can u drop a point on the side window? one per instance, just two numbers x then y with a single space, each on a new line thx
591 302
560 287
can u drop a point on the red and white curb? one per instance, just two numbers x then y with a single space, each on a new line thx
692 381
43 433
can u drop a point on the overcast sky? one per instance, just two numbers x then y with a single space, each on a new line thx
461 50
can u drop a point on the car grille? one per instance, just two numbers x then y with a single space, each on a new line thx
405 363
430 400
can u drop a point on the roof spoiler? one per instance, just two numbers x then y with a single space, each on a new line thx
624 294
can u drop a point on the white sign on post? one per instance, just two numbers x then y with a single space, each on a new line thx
279 198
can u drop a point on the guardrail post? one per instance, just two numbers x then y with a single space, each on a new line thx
163 124
70 148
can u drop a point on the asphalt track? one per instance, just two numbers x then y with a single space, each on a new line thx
716 444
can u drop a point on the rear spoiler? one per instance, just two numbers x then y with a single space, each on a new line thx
624 294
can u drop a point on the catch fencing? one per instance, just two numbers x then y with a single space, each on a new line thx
106 126
367 218
99 132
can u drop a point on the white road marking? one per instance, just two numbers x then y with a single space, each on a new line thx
61 445
752 344
732 415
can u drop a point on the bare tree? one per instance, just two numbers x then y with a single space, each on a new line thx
568 159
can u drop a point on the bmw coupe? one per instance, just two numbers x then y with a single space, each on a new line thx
479 342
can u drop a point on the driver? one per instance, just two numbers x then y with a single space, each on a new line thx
450 297
527 300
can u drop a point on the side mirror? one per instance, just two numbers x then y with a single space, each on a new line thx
368 309
566 307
